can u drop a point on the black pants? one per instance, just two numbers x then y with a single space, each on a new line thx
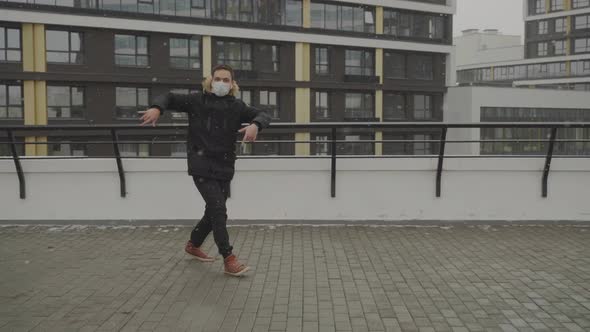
215 194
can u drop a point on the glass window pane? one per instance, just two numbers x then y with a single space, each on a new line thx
124 44
59 57
317 15
14 95
126 97
77 96
294 10
331 17
76 41
3 96
179 62
195 50
13 55
179 47
142 45
57 40
58 96
2 38
347 18
13 38
125 60
142 97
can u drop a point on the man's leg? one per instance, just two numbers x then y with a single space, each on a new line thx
214 192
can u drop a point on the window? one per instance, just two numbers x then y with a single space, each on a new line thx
322 147
245 96
56 149
394 107
134 150
422 148
269 101
542 49
395 65
11 101
269 54
543 27
423 68
131 51
322 61
322 105
422 107
582 45
198 4
581 3
582 22
185 53
356 146
559 47
560 25
10 45
237 55
538 7
557 5
580 68
65 102
414 24
359 106
130 100
64 47
359 62
178 150
342 17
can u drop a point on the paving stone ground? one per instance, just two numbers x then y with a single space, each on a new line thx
304 278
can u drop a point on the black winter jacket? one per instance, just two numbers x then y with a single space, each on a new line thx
213 125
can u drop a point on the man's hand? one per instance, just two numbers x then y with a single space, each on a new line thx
150 116
250 133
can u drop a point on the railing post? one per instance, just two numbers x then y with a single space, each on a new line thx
119 163
19 169
441 157
333 167
548 160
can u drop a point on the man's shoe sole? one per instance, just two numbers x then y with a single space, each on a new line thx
206 260
238 274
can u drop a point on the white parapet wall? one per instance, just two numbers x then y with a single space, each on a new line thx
487 189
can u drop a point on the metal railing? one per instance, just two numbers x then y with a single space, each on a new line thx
333 128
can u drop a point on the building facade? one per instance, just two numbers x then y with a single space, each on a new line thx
99 62
556 50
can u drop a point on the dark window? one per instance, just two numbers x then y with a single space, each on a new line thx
417 25
582 45
10 45
420 147
269 101
557 5
134 149
322 105
269 54
233 10
359 62
130 100
11 101
423 107
560 25
64 47
394 107
342 17
359 106
543 27
236 54
582 22
356 146
185 53
131 51
245 96
321 147
423 67
581 68
395 65
581 3
55 148
65 102
538 7
322 61
559 47
542 49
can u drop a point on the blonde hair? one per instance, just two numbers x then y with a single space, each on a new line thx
209 79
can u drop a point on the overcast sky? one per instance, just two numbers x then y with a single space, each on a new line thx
505 15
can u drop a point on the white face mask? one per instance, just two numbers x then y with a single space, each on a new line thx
220 89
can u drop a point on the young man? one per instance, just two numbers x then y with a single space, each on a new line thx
215 118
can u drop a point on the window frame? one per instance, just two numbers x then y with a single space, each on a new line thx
190 57
7 49
363 66
135 108
135 55
9 105
69 52
71 106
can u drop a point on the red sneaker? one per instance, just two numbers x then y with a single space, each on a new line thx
197 252
233 267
